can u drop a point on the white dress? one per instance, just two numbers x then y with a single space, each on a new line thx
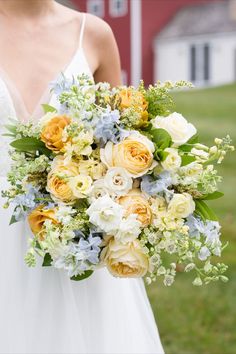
41 309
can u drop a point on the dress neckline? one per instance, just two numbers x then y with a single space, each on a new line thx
18 102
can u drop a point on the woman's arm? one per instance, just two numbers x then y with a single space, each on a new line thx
102 51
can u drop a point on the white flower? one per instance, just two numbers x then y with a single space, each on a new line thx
172 161
106 214
129 229
64 214
81 186
197 281
99 190
118 181
200 154
181 205
177 126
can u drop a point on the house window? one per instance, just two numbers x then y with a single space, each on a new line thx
200 63
118 8
96 7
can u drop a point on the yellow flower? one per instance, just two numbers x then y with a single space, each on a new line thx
125 260
135 203
52 132
58 180
37 218
134 153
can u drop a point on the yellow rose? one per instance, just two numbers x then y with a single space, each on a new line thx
125 260
181 205
37 218
58 180
134 153
135 203
52 132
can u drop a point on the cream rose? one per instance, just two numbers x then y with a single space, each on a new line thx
135 203
118 181
172 161
134 153
81 186
125 260
181 205
177 126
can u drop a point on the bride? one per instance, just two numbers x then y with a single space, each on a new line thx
41 310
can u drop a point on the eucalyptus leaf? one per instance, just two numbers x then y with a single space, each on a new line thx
85 275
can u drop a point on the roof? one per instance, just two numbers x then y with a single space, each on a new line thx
209 18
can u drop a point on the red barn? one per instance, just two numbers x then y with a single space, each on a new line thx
135 24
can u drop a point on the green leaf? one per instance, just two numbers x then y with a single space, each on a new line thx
186 160
189 144
203 210
47 261
194 139
13 220
212 196
47 108
30 144
11 128
85 275
161 138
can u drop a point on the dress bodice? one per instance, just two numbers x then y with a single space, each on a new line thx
11 107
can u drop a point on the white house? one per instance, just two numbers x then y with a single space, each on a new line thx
199 44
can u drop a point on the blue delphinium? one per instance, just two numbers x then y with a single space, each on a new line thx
62 84
25 202
107 128
80 256
160 185
210 229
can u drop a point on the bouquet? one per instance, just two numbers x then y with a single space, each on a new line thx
115 178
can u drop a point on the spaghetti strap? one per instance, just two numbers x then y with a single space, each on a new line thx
82 30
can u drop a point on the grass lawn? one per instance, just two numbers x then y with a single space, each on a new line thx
195 320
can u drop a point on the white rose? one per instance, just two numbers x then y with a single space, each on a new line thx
118 181
98 190
129 229
172 161
106 214
181 205
177 126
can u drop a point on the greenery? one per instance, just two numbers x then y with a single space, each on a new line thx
194 320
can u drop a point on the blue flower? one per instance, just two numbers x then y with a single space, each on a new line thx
107 128
210 229
160 185
81 256
62 84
